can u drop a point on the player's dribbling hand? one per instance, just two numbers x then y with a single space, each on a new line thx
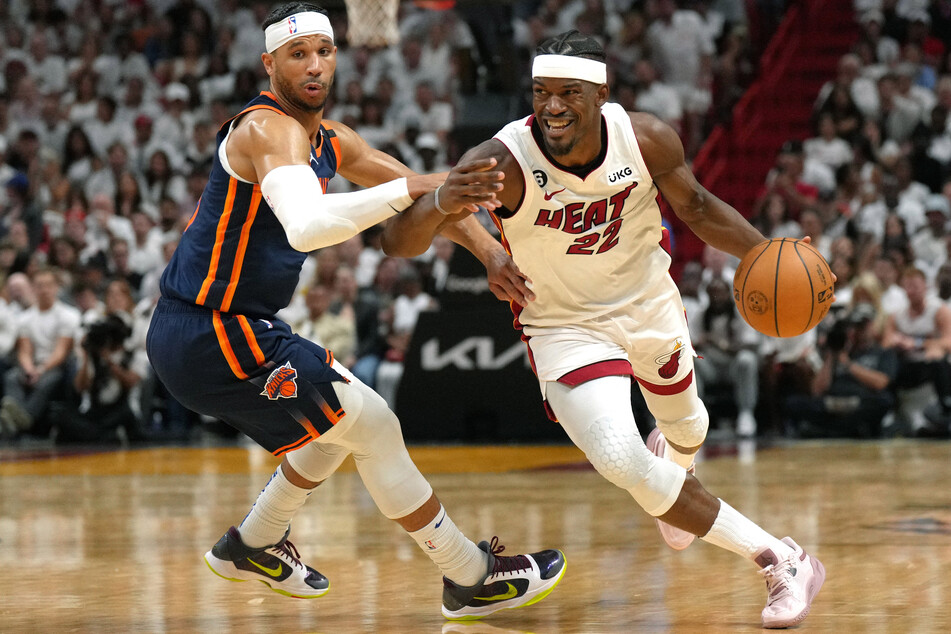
471 183
808 240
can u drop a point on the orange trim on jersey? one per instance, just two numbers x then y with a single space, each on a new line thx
242 248
332 416
225 346
334 141
260 106
194 215
219 240
304 422
297 444
252 340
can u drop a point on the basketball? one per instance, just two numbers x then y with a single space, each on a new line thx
783 287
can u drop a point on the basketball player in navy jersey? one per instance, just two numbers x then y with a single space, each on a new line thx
579 215
215 343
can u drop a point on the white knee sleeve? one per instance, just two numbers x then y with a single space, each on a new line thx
597 417
317 461
682 417
376 441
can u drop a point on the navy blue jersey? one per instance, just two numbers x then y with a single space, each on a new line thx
234 256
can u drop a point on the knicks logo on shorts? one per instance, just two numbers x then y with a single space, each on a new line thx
670 362
281 383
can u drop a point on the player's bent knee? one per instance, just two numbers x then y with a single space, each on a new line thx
682 418
317 461
618 454
689 431
376 441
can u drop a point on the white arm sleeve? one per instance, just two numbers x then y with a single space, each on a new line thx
313 219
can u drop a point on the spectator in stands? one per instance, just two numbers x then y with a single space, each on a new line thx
175 124
728 350
930 243
43 349
10 311
162 182
108 370
921 337
846 116
682 51
811 224
428 114
656 97
82 105
773 218
827 146
787 179
334 332
79 159
105 129
47 68
850 394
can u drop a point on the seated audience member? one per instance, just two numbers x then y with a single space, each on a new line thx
921 336
108 372
727 347
850 395
43 349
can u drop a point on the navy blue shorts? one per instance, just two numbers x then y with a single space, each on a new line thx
254 374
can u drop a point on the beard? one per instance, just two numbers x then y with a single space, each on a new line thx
560 148
290 94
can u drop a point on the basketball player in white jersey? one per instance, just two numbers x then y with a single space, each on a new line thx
580 218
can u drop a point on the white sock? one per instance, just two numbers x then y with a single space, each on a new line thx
736 533
271 514
455 554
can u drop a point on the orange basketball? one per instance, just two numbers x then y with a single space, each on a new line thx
783 287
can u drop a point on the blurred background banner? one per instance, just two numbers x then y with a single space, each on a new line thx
467 375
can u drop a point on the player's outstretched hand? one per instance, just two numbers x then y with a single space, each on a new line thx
471 183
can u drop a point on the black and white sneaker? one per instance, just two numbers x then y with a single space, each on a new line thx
279 566
511 582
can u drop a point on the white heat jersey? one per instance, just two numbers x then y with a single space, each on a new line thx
592 245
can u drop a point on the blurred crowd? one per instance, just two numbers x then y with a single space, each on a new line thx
108 116
872 187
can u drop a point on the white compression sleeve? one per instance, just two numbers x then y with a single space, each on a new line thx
313 220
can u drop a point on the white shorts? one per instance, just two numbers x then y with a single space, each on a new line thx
648 340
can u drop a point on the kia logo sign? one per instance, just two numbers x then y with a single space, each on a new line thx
474 353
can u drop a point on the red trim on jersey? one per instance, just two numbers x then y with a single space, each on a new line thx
665 240
597 370
667 390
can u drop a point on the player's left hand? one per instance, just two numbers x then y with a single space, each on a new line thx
506 280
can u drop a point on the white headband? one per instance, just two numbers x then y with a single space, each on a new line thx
570 67
307 23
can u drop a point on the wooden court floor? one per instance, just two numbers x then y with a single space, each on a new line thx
113 541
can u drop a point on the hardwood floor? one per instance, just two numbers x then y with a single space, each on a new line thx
113 541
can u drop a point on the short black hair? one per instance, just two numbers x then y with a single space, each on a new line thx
573 44
288 9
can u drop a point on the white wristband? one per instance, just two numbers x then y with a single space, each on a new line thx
438 207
